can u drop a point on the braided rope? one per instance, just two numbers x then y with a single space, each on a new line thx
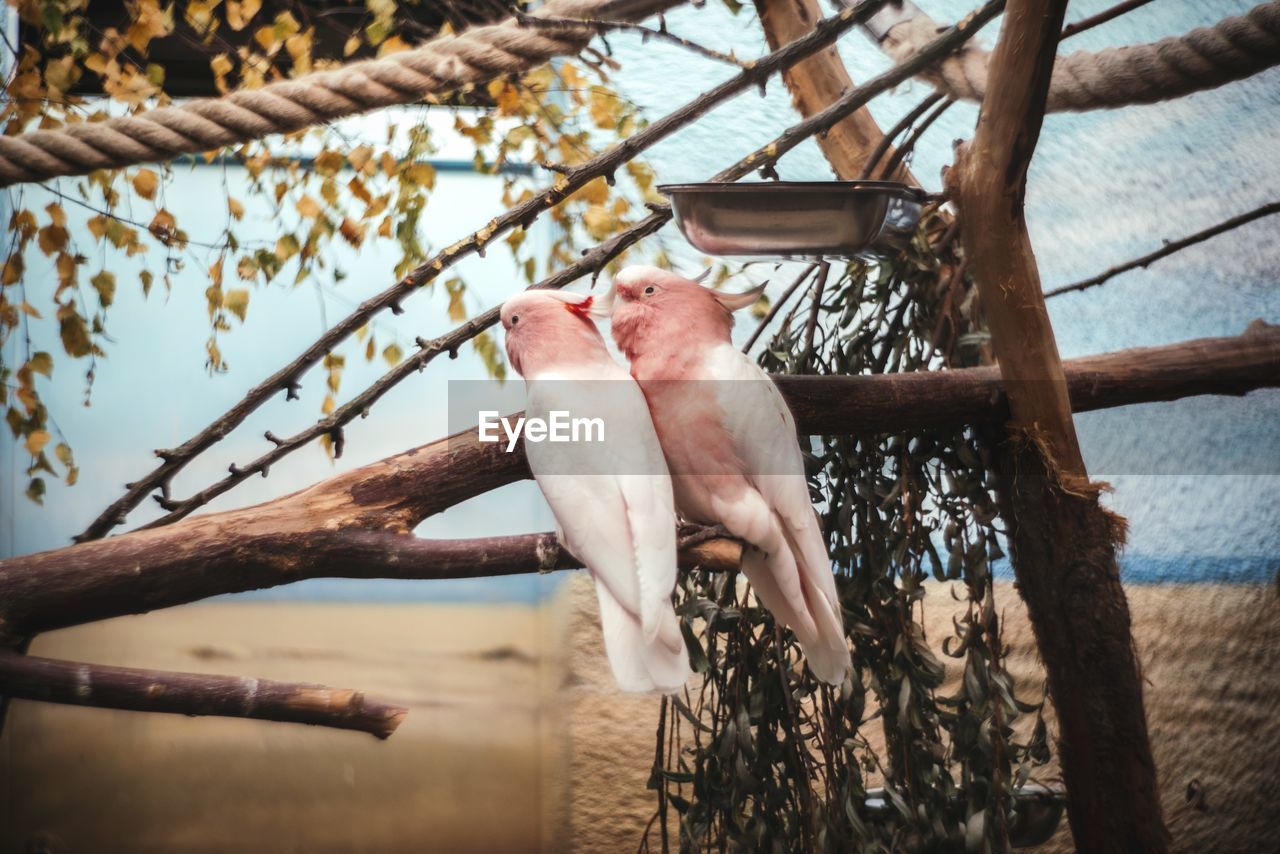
1207 57
445 63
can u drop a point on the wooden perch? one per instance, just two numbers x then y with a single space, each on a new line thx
357 524
1062 541
51 681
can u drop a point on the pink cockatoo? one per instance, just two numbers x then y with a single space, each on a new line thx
730 443
612 503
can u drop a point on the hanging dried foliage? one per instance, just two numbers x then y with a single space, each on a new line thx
761 756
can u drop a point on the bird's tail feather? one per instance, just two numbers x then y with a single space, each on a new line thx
820 630
639 665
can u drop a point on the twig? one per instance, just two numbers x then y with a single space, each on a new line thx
1168 249
888 137
646 33
130 222
695 535
777 306
52 681
594 260
1089 23
811 325
909 144
522 215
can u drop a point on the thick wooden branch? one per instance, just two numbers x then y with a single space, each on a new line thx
357 524
989 182
1062 541
819 81
30 678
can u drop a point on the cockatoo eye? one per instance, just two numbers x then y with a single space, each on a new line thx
649 290
515 318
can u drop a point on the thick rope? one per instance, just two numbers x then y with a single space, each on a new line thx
446 63
1207 57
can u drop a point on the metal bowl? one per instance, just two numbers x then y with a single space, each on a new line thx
797 219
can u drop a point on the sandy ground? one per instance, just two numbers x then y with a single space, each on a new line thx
1210 655
470 769
516 739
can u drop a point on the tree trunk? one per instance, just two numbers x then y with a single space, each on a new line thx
1063 543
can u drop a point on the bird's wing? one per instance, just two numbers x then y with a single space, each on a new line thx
613 499
764 437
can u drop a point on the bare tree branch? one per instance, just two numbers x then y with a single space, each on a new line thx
49 680
894 132
645 33
1102 17
593 261
522 215
1168 249
357 524
909 144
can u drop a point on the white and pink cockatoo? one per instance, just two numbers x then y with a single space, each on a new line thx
730 443
613 502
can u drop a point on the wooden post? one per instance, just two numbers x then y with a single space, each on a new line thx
817 82
1063 542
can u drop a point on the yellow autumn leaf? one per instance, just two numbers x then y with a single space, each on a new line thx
393 354
604 108
596 191
36 440
236 301
66 267
13 268
51 239
105 284
308 207
163 226
395 44
235 207
351 232
57 215
63 453
145 182
42 363
240 12
599 221
328 162
359 156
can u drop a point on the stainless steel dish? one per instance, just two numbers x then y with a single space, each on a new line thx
797 219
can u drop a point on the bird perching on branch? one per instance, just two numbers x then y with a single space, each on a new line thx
730 443
612 499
